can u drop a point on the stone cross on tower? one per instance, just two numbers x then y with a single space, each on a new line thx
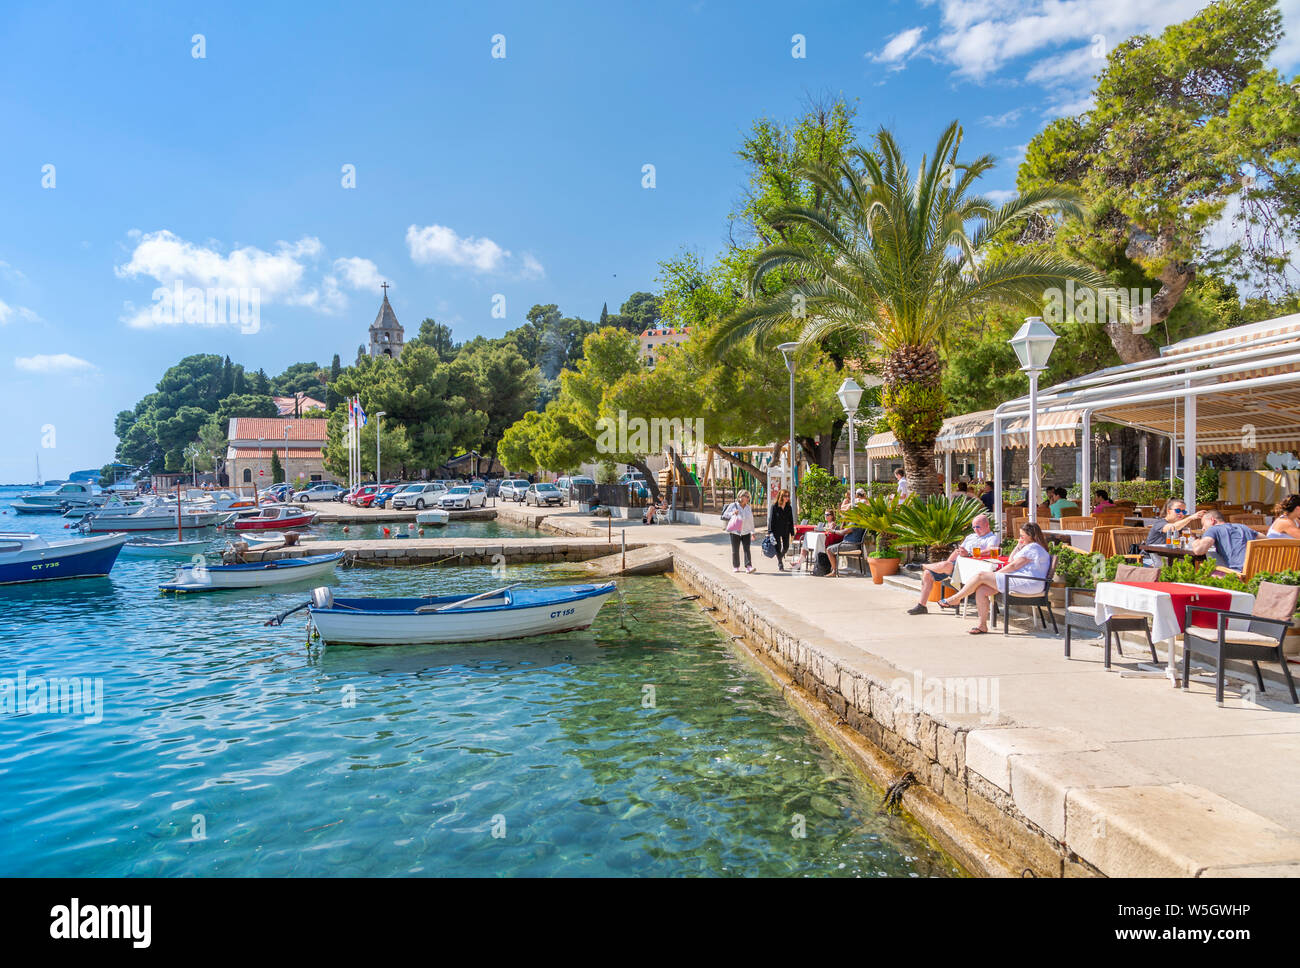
386 338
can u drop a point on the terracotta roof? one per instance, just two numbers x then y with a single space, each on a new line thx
285 405
252 453
271 429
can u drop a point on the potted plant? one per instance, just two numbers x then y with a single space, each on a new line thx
935 523
876 515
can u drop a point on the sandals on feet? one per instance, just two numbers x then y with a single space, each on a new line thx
977 631
944 603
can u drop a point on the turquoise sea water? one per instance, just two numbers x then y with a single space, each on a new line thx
644 746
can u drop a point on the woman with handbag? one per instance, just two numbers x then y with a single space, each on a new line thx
780 525
739 518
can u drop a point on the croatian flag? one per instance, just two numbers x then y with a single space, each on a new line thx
360 416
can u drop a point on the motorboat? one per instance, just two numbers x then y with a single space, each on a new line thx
196 577
24 507
434 516
151 517
72 494
510 612
148 547
276 516
30 557
259 542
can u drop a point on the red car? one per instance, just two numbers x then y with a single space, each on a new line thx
362 496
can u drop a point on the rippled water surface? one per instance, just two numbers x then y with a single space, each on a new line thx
642 746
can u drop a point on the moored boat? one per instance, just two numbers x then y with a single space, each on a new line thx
26 507
434 516
72 494
278 516
29 557
210 578
153 517
503 613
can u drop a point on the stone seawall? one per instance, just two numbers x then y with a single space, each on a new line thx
397 552
860 698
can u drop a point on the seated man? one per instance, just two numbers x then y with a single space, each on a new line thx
1225 543
1062 505
981 536
986 496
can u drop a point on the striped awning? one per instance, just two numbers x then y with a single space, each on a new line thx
969 432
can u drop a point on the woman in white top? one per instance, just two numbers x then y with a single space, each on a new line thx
1287 522
1029 560
741 535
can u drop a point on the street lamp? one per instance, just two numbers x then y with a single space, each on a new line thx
1033 344
382 413
850 395
787 349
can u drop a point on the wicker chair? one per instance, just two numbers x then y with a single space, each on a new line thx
1081 616
1261 639
1125 538
1269 554
1035 600
1079 523
1103 540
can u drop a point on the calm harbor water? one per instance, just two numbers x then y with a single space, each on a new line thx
643 746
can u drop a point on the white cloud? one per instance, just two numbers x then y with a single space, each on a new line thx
358 273
8 313
52 363
441 245
1004 119
1000 196
900 47
287 275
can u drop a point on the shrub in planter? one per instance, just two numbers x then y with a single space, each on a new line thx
935 523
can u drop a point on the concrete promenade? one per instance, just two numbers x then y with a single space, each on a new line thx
1109 773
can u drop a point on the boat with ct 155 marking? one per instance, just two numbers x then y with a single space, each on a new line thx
502 613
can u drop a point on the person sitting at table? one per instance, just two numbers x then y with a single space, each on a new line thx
1287 522
852 541
1102 500
961 489
859 495
986 496
982 536
1030 559
1062 504
1224 542
1174 519
828 521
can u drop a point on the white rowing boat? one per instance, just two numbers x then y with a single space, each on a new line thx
211 578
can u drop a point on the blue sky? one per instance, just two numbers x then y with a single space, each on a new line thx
475 175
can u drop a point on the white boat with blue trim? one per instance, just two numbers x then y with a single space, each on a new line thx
196 577
503 613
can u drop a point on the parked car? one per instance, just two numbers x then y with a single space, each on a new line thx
565 484
543 494
363 495
463 497
636 481
280 492
385 494
493 487
320 492
419 495
512 489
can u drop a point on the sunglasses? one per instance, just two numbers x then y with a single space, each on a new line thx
1180 510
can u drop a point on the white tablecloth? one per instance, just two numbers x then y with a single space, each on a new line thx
964 569
1113 597
1082 540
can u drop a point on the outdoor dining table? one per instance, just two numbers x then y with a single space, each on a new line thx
1166 603
1075 539
967 567
816 541
1172 552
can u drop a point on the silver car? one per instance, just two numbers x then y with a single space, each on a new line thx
463 497
543 494
419 496
512 489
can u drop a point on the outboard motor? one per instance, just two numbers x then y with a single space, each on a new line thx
322 597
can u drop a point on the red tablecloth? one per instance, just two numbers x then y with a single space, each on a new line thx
801 529
1184 595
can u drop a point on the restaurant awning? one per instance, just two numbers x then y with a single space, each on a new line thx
969 432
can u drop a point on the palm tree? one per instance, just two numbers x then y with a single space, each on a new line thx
891 260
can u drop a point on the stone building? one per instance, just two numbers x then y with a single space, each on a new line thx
653 340
386 337
299 443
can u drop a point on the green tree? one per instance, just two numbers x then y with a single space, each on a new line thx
277 469
1187 129
889 260
302 378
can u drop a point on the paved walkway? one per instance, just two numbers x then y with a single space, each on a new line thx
1153 757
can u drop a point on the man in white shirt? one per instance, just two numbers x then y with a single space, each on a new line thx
982 536
903 489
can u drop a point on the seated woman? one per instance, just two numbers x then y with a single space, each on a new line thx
828 521
1287 522
1103 500
1030 559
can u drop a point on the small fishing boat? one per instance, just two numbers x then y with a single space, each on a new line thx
503 613
163 548
211 578
26 507
152 517
434 516
29 557
258 542
280 516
